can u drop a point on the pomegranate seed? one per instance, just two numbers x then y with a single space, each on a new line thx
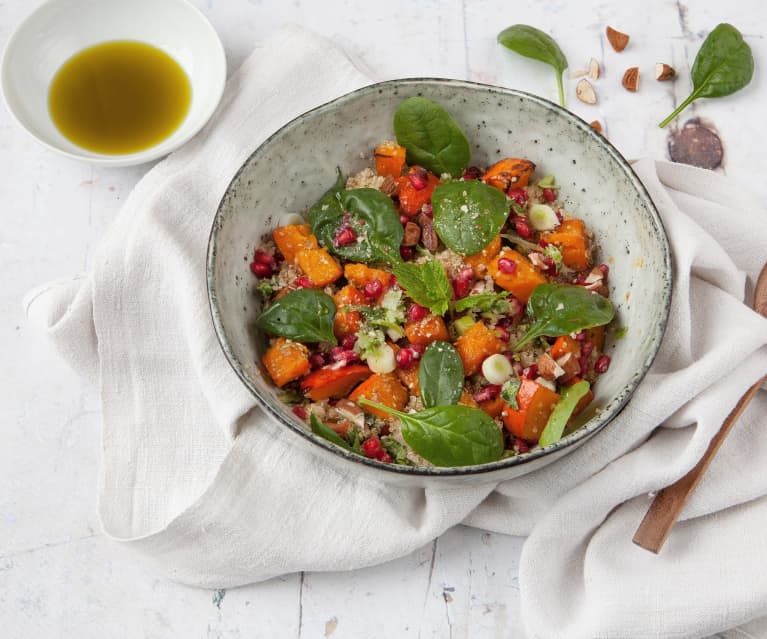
521 445
502 333
583 362
372 447
605 270
580 336
373 289
559 216
486 393
403 219
344 236
303 281
339 354
385 457
316 360
463 282
416 312
393 281
300 412
348 342
404 358
543 243
417 349
418 179
531 372
551 267
548 195
406 252
505 265
602 364
259 269
518 195
262 257
472 173
335 352
522 227
385 430
586 348
427 209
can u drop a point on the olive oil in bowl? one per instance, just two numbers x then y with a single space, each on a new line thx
119 97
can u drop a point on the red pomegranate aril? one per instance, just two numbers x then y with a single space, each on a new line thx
551 267
303 281
416 312
372 447
602 364
521 445
486 393
263 257
373 289
583 362
472 173
427 209
580 336
586 348
300 412
507 266
261 270
522 227
344 237
403 219
417 349
404 358
518 195
418 179
559 216
385 457
316 360
548 195
605 270
406 252
531 372
348 342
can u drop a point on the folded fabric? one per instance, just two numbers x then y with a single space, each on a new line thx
204 484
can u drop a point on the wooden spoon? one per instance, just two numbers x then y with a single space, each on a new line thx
669 502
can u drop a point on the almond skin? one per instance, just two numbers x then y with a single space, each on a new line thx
617 39
630 80
585 92
596 125
664 72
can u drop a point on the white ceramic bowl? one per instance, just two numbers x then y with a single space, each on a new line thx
60 28
297 164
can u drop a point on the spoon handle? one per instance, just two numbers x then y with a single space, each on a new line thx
669 502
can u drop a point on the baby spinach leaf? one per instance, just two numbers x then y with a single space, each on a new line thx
468 215
562 412
484 302
318 428
440 375
723 66
305 315
449 435
432 138
371 215
425 283
534 43
561 309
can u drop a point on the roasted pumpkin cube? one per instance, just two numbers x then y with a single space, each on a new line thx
286 360
361 274
384 388
347 322
477 344
431 328
390 158
479 261
535 405
523 277
571 238
509 173
412 199
325 383
293 238
320 267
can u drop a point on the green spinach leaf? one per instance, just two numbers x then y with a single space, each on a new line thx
723 66
305 315
318 428
468 215
372 216
484 303
562 412
509 392
561 309
432 138
534 43
425 283
440 375
449 435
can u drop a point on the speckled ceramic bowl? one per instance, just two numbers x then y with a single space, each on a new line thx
296 165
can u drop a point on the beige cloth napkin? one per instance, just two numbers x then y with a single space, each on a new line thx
217 510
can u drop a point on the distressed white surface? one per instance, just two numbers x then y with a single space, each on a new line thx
58 577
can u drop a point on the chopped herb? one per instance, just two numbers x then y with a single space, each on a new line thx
548 182
554 253
621 332
509 392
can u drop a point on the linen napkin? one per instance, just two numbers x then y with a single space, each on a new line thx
202 483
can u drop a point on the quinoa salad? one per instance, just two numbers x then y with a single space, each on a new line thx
428 312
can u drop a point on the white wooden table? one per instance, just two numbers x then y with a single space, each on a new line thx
58 576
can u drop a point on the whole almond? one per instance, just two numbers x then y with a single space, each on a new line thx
617 39
585 92
664 72
630 80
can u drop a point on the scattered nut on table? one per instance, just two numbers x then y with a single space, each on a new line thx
585 92
617 39
594 69
596 125
664 72
630 80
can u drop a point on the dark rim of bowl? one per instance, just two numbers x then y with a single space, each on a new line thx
592 426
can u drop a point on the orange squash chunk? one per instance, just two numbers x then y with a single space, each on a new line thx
412 199
430 328
325 383
383 388
571 237
493 407
286 360
510 173
535 405
390 158
321 268
565 344
408 376
475 345
522 281
347 322
361 274
293 238
596 336
467 400
479 261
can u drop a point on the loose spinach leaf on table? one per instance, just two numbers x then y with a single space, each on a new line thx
431 137
534 43
425 283
318 428
440 375
449 435
369 212
723 66
305 315
561 309
562 412
468 215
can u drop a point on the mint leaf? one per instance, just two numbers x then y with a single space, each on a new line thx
425 283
